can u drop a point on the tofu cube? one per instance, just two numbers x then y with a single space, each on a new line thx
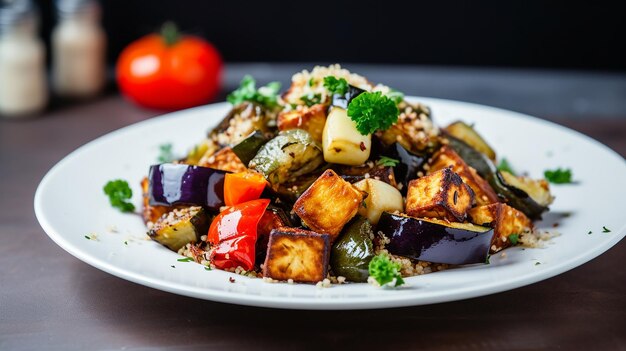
504 219
312 119
441 194
328 204
297 254
446 157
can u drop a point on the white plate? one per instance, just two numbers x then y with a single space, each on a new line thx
70 204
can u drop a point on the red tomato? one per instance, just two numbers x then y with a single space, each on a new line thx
242 187
233 233
169 71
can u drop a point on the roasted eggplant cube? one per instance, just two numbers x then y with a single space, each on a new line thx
180 227
505 220
225 160
435 240
441 194
297 254
465 132
312 119
328 204
446 157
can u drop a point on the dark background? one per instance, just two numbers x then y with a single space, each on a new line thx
537 34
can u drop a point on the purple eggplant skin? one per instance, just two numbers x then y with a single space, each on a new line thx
343 101
408 166
436 242
180 184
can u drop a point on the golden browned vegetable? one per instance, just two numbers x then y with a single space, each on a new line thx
149 212
466 133
328 204
312 119
505 220
446 157
297 254
224 160
537 189
441 194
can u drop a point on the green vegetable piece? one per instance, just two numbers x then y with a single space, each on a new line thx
558 176
387 161
353 251
186 259
119 192
311 99
372 112
336 86
384 271
247 91
248 147
292 153
514 238
505 166
165 153
605 230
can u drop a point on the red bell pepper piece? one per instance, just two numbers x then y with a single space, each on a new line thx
233 234
242 187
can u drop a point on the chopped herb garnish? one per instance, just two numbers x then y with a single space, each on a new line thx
387 161
589 232
311 99
247 91
125 242
395 96
311 82
372 112
186 259
336 86
173 266
605 230
384 271
514 238
505 166
207 268
165 153
558 176
537 263
119 192
87 237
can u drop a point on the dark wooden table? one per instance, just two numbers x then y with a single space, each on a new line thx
50 300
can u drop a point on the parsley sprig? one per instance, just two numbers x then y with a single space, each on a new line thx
119 193
165 153
336 86
384 271
558 176
387 161
372 111
266 95
311 99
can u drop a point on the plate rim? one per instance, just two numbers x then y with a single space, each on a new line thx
321 303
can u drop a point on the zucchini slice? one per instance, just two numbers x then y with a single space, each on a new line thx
465 132
180 227
290 154
353 251
248 147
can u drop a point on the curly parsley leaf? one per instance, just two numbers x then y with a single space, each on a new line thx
387 161
514 238
311 99
119 192
336 86
384 271
558 176
505 166
165 153
247 91
372 112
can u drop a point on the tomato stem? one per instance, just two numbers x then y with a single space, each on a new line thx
170 34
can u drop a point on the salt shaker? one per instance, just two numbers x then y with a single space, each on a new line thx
78 49
23 86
